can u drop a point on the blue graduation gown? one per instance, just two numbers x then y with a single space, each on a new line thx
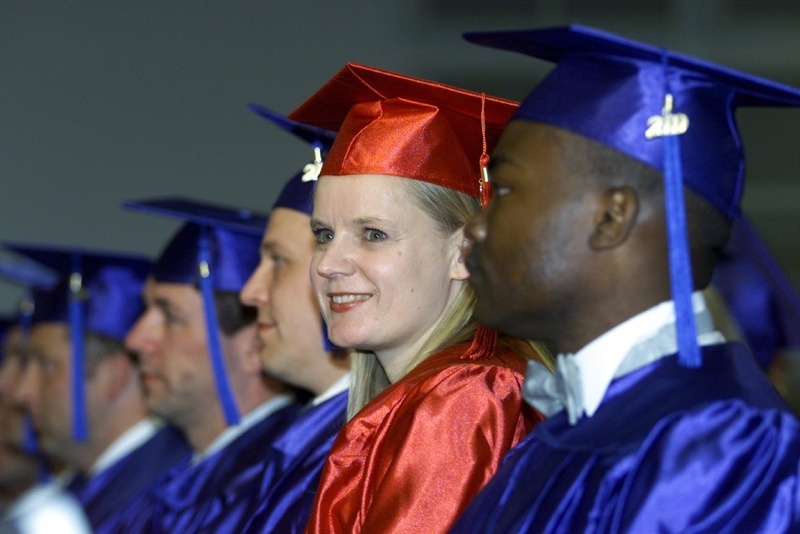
105 495
183 497
282 492
670 449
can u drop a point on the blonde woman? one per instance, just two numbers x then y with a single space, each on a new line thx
435 399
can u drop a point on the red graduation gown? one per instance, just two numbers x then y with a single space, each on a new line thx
416 455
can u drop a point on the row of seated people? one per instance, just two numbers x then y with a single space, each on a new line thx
363 358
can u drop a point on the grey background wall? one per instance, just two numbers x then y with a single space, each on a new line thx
102 102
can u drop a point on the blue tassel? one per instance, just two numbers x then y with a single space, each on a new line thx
79 419
679 259
224 390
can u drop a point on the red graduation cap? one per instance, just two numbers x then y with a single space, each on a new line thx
388 123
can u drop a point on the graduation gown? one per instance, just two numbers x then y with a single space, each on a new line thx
413 458
670 449
281 492
183 497
104 495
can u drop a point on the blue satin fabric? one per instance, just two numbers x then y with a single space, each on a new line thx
233 257
186 495
279 495
105 495
670 449
114 300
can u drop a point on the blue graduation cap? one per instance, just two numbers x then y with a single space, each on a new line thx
758 294
672 112
33 277
215 250
98 292
298 193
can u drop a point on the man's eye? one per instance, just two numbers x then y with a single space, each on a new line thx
499 190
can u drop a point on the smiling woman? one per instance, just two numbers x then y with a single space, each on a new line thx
435 398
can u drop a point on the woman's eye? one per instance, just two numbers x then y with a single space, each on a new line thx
375 235
322 235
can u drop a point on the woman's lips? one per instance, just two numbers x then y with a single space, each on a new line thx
343 302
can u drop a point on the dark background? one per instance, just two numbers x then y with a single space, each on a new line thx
102 102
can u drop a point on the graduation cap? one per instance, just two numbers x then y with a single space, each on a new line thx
98 292
388 123
298 193
33 277
672 112
758 294
215 250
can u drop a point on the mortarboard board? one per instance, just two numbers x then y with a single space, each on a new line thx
758 293
673 112
388 123
98 292
298 193
215 250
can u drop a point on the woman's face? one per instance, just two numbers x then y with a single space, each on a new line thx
381 271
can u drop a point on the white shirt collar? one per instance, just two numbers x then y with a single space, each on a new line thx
246 422
129 440
604 359
46 508
341 384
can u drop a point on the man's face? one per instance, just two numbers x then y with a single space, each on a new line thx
528 258
47 386
170 340
17 469
289 321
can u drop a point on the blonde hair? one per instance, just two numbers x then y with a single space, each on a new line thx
450 210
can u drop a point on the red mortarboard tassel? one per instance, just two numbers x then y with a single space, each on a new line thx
483 343
484 340
485 186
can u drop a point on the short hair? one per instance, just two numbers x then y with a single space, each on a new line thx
232 315
708 229
99 347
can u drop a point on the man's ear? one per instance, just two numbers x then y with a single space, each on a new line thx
115 371
459 246
615 218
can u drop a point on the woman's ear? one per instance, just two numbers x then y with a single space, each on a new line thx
459 247
615 218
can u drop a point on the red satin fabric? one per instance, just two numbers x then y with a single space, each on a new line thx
413 459
388 123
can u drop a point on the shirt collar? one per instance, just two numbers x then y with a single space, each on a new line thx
341 384
247 422
582 379
642 339
129 440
